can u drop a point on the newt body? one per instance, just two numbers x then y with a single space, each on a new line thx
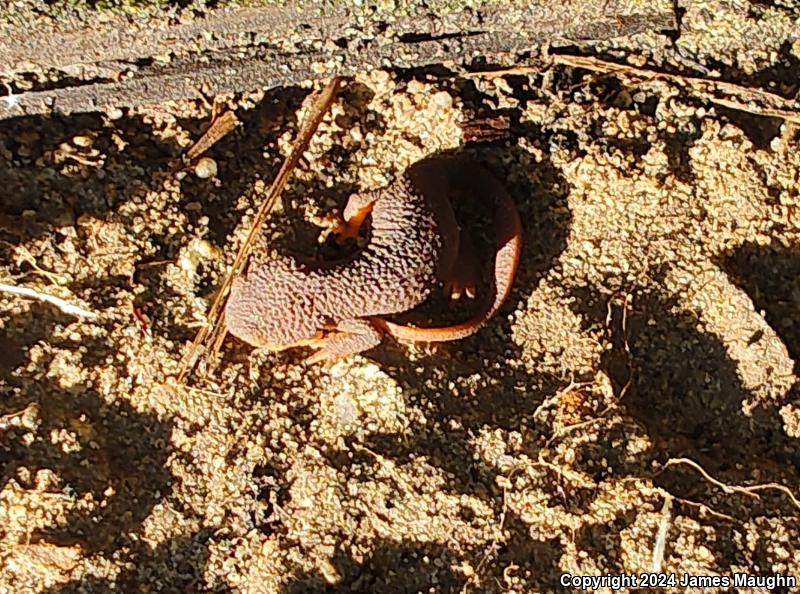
414 242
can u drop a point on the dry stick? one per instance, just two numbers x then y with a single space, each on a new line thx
213 334
24 255
492 547
695 82
7 417
219 128
661 535
749 491
628 356
784 114
598 65
707 510
65 306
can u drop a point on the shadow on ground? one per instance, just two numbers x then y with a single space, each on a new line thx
392 566
118 456
770 275
118 460
686 391
175 565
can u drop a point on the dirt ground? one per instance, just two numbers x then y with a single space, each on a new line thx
617 417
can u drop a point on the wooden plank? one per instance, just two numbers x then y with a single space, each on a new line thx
120 64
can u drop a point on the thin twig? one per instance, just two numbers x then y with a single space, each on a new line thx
4 419
775 486
512 71
209 339
64 306
626 345
23 254
750 491
707 510
218 129
661 535
628 355
695 84
555 397
475 577
783 114
570 428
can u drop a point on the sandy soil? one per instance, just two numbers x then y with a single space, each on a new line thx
654 330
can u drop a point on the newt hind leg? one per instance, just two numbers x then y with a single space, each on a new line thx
464 273
350 337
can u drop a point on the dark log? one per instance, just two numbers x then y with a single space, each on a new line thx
122 63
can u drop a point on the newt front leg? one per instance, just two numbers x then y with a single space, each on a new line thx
359 206
349 338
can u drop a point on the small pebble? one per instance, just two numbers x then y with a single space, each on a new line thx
205 168
346 409
443 99
82 141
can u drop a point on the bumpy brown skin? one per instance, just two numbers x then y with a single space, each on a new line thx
414 243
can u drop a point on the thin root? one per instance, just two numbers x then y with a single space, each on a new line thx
749 491
65 306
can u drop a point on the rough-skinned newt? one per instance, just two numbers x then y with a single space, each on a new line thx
414 244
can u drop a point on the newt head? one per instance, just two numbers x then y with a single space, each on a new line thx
272 307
